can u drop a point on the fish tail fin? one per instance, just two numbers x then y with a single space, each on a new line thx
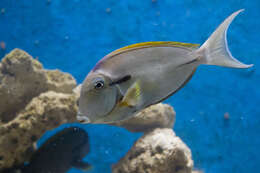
215 50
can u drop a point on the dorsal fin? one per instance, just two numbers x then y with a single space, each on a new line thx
154 44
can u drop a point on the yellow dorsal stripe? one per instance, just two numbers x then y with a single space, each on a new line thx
157 43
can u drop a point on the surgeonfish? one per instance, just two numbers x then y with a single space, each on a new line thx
58 154
134 77
64 150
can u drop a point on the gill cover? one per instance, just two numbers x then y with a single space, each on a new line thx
97 97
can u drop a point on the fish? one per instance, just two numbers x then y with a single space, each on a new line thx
59 153
129 79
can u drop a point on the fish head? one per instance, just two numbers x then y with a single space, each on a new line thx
97 98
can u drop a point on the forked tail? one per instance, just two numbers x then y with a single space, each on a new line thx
215 50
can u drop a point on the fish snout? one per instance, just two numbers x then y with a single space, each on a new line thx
82 118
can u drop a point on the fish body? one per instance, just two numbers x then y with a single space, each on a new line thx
58 154
165 75
137 76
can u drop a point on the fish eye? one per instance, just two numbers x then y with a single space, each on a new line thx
99 84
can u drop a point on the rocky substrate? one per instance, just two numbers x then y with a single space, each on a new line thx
159 150
34 100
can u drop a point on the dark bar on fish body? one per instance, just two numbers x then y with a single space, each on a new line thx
120 80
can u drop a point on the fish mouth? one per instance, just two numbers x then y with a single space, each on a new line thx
82 119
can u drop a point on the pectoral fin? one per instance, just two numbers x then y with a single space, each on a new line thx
84 166
132 96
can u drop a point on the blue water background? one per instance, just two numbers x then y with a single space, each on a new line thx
72 35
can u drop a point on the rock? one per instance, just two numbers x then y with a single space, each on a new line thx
33 100
23 78
158 151
45 112
159 115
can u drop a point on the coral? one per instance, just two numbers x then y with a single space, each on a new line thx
45 112
23 78
159 150
159 115
33 100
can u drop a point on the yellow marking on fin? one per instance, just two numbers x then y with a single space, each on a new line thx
132 96
157 43
124 104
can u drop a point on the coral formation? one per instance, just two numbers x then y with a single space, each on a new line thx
23 78
33 100
159 150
